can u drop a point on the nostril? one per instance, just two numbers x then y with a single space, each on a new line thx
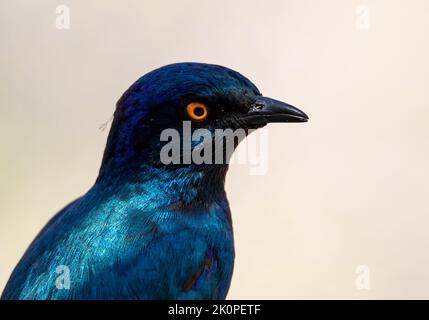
257 106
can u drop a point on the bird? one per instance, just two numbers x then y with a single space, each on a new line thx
148 229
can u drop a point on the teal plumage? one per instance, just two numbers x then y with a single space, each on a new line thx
149 230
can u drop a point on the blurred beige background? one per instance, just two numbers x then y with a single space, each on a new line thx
349 188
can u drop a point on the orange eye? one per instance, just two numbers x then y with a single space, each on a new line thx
197 111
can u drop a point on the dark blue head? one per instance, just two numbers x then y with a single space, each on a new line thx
210 96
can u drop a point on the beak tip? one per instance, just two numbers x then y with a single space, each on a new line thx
305 118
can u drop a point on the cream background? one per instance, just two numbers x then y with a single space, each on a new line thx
348 188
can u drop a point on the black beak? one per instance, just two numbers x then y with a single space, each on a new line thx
266 110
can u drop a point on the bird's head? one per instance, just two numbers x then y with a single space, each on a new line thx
204 96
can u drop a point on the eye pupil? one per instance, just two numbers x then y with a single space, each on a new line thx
198 111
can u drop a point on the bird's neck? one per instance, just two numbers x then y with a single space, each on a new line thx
192 184
130 160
